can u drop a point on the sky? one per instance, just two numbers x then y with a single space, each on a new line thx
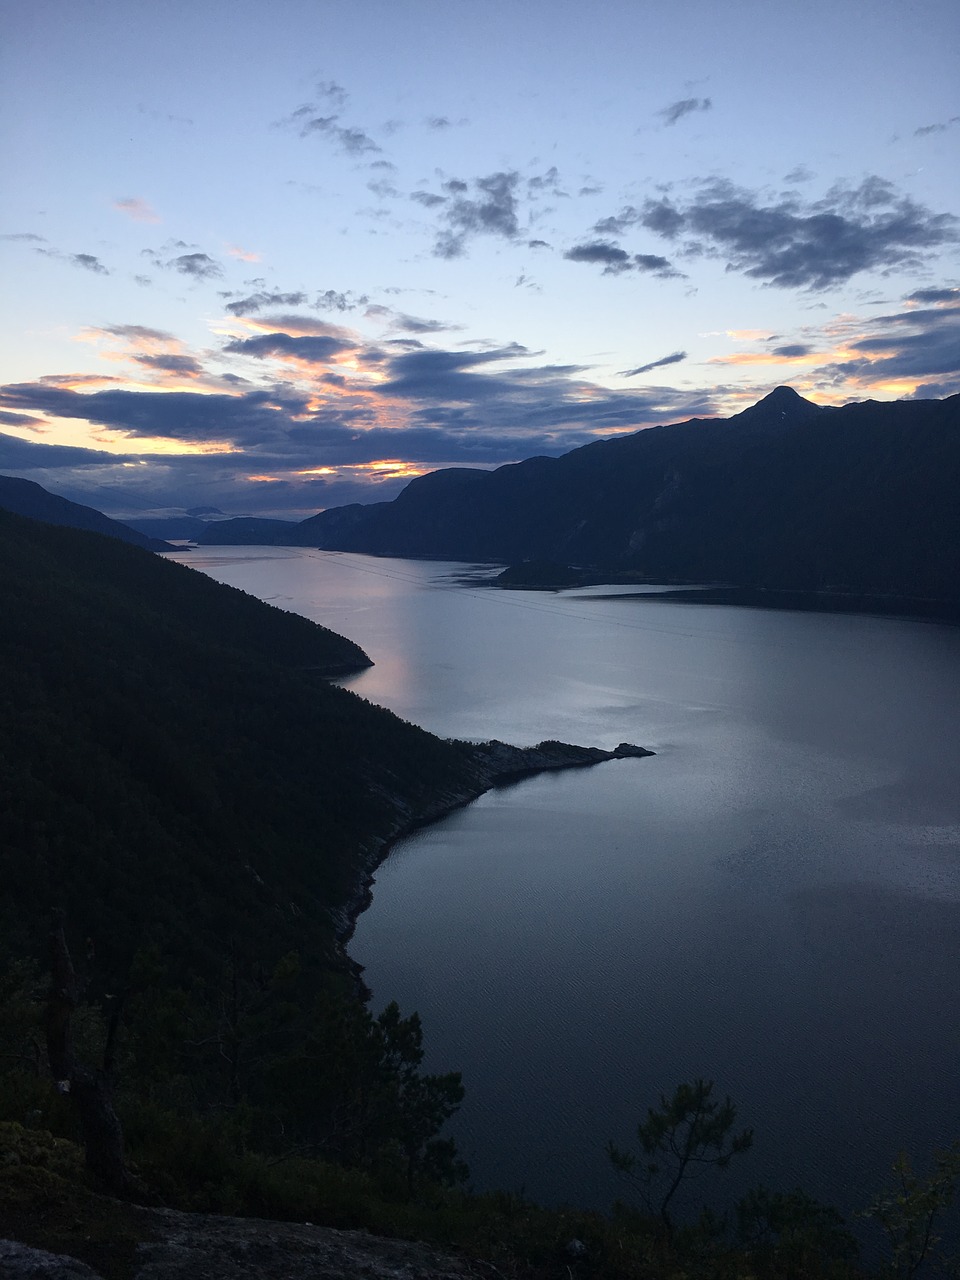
273 258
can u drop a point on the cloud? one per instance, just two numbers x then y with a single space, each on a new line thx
926 129
332 300
677 110
315 350
602 252
198 265
618 224
791 244
87 261
428 199
24 235
793 350
255 302
427 405
383 188
615 260
351 140
655 364
136 208
492 211
245 255
407 323
171 364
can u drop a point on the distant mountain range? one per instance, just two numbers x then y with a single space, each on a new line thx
858 503
787 495
24 498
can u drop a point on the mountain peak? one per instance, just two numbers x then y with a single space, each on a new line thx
783 404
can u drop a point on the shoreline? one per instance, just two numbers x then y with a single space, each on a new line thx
496 764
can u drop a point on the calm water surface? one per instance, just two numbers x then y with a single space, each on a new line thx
773 901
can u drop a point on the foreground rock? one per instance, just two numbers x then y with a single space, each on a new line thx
187 1246
20 1262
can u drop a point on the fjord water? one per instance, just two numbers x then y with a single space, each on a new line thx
772 901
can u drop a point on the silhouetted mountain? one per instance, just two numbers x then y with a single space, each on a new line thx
785 495
24 498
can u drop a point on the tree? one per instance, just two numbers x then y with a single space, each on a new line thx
908 1213
90 1090
688 1134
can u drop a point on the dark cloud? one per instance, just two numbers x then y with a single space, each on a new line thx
171 363
492 211
913 344
26 455
262 298
792 350
316 349
677 110
653 262
655 364
537 244
89 263
198 265
383 188
934 295
19 420
612 258
800 174
255 418
789 244
24 235
438 122
428 199
615 260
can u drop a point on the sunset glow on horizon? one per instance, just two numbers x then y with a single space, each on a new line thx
351 247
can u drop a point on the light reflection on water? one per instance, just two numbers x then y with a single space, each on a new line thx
771 901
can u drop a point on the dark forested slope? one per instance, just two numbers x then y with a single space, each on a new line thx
24 498
174 767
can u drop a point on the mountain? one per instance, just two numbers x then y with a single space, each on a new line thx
24 498
786 495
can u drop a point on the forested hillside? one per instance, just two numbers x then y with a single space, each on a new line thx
174 765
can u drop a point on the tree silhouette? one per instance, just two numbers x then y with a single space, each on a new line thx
688 1134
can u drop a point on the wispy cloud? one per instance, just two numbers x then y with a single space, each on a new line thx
136 208
655 364
685 107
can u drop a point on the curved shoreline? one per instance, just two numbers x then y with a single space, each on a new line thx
495 764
